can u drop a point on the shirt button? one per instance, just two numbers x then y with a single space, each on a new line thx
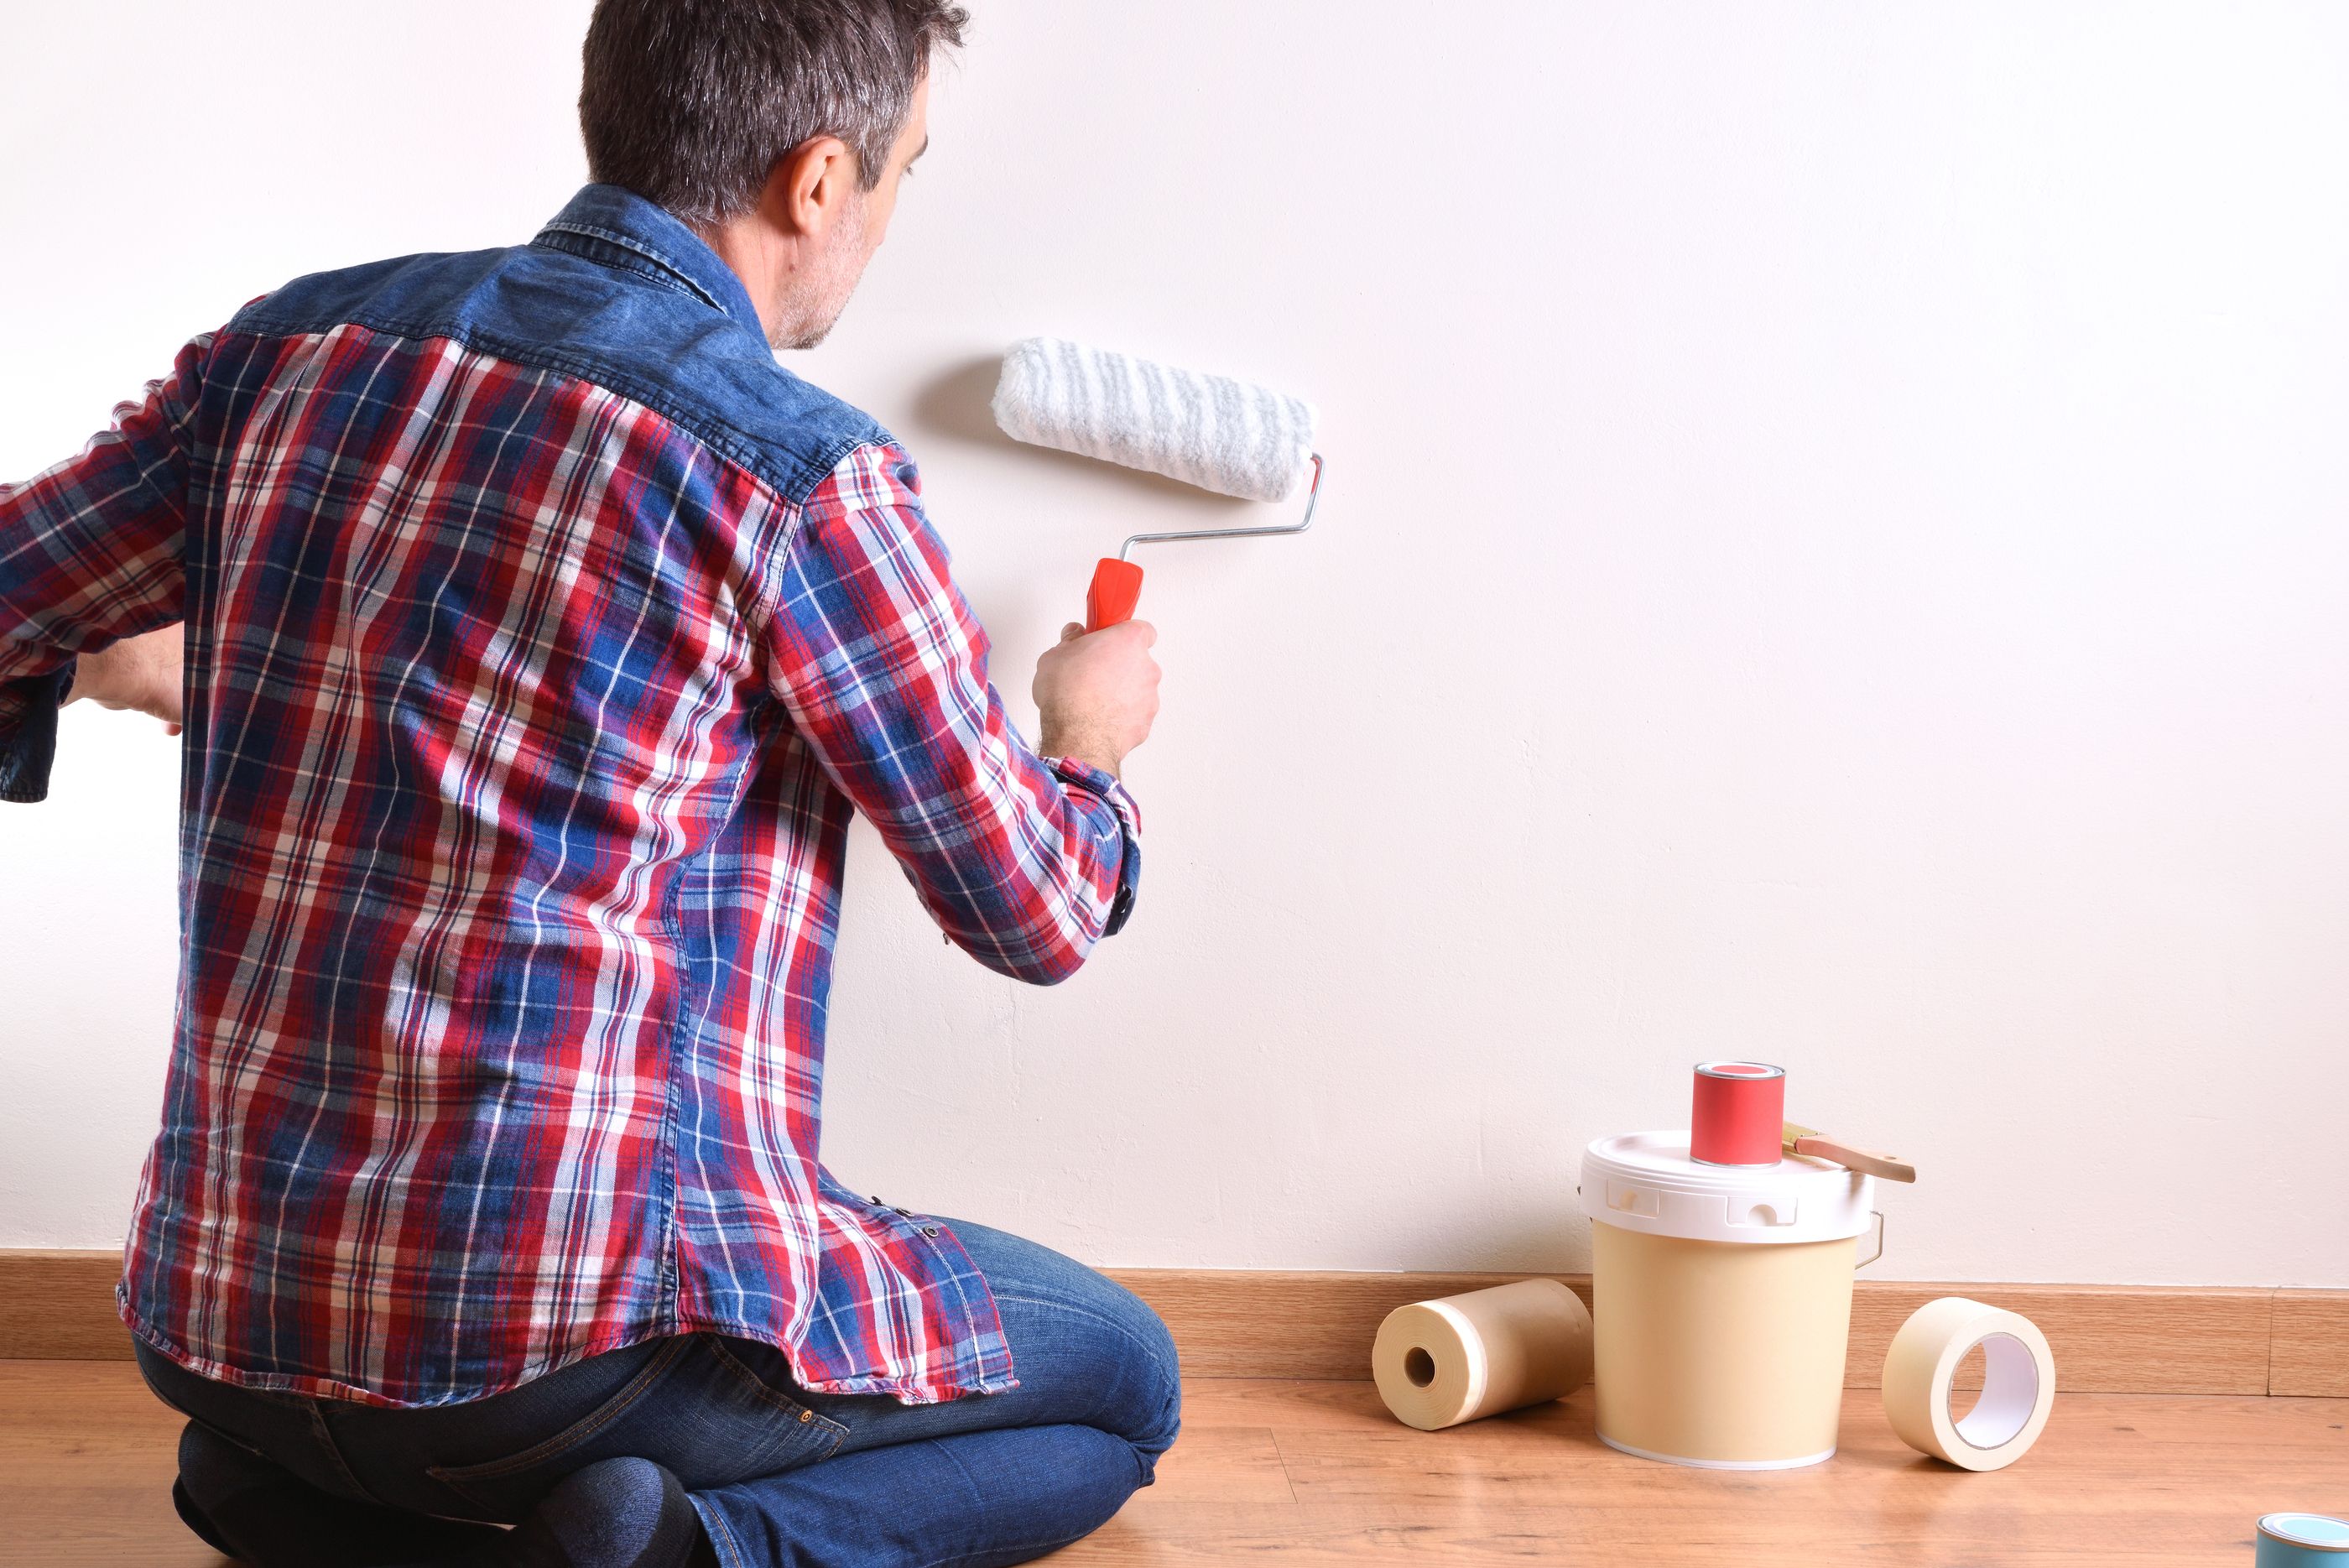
930 1230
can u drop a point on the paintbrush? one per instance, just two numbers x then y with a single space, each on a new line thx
1799 1139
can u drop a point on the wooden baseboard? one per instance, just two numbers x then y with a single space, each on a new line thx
2311 1344
59 1307
2114 1339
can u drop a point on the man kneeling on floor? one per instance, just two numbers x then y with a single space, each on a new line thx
541 638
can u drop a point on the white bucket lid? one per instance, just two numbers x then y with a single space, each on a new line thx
1647 1182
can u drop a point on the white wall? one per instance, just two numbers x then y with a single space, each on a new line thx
1834 550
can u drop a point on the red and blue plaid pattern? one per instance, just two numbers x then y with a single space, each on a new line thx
523 733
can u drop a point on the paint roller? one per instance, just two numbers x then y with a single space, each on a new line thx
1219 434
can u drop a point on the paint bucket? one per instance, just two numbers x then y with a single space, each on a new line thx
2303 1540
1723 1300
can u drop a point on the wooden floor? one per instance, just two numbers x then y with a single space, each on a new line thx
1307 1472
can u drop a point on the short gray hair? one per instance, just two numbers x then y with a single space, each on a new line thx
692 103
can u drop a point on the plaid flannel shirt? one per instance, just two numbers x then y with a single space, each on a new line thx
543 636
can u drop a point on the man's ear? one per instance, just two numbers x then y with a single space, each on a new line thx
810 187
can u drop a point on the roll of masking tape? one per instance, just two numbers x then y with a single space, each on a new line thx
1462 1358
2018 1382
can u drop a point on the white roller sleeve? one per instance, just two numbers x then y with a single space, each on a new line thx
1209 430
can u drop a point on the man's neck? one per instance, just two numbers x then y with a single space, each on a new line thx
760 256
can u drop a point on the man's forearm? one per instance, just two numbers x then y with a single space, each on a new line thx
138 674
1078 746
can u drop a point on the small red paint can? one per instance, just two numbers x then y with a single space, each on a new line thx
1740 1114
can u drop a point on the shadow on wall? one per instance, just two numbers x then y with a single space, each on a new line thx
955 406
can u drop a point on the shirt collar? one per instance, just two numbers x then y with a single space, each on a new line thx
655 243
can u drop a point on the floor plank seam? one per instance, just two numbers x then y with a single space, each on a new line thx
1287 1476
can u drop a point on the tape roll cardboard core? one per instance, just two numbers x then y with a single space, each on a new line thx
2010 1393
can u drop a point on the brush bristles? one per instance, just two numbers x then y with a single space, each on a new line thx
1227 436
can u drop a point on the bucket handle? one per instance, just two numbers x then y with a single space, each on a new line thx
1879 1254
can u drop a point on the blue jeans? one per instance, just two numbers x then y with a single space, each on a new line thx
778 1475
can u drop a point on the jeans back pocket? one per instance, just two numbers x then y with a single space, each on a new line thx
696 1409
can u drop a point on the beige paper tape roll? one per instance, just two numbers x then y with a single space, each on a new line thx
1465 1357
2018 1382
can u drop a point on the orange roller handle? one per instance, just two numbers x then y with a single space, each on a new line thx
1117 589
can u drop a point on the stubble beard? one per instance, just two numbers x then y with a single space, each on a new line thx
824 289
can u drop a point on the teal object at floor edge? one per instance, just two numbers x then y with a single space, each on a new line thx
2303 1540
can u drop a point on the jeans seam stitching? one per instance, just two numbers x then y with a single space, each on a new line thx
325 1437
1036 1546
783 1403
1128 1335
1148 1352
720 1533
562 1443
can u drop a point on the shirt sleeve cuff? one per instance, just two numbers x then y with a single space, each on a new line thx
28 734
1103 787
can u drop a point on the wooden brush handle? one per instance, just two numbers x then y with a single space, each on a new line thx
1859 1159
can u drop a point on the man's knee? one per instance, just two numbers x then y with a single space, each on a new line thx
1082 1330
1150 1385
